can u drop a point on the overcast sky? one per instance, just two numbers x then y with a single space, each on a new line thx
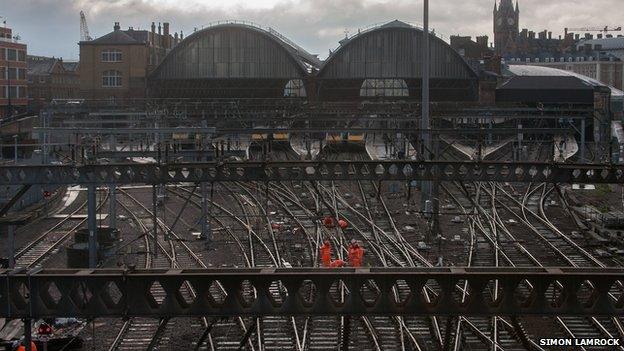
52 27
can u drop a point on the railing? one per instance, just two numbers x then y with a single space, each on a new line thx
310 291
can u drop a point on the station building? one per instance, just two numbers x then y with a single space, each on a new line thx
241 60
234 60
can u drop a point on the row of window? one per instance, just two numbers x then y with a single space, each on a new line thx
15 92
111 55
369 88
552 59
12 73
111 79
12 55
53 80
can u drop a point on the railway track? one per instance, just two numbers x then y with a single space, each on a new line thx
48 243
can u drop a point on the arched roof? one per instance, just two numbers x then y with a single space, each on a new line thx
235 50
393 50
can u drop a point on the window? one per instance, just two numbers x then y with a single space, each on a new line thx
13 73
3 72
21 56
111 79
111 55
2 54
295 88
3 92
13 92
11 54
42 79
384 87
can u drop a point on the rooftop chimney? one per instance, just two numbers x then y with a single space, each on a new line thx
549 35
166 35
181 35
116 26
159 29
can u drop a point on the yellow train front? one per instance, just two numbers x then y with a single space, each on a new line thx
346 138
281 137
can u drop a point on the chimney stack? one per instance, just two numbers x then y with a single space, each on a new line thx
116 26
549 35
181 35
483 41
159 29
153 34
166 35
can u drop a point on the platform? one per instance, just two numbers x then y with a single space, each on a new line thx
471 152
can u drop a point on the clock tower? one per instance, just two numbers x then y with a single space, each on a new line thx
506 27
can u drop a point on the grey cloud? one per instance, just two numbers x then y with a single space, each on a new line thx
51 27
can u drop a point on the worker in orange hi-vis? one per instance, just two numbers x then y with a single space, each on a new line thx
356 254
22 347
352 253
325 251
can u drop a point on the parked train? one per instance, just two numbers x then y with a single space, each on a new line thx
349 138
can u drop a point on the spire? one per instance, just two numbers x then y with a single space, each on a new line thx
517 6
495 6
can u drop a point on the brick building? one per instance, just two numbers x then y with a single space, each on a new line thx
511 42
13 84
51 78
115 66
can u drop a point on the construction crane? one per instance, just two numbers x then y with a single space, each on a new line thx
605 30
84 29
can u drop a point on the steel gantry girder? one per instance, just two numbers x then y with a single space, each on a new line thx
312 291
311 171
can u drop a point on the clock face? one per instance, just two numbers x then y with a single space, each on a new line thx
511 21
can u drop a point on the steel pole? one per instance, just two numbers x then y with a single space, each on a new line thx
582 140
28 334
425 123
112 216
11 246
91 219
155 219
204 209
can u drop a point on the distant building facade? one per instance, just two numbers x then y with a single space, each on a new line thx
607 70
115 66
511 42
51 78
13 83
